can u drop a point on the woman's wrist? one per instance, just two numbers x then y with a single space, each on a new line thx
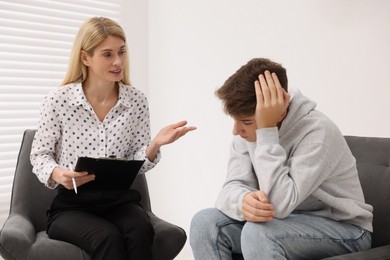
152 150
56 173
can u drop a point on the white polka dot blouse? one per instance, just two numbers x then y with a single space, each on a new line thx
69 128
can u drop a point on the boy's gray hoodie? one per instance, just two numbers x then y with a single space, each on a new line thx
305 165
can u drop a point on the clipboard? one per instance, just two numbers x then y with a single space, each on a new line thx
110 173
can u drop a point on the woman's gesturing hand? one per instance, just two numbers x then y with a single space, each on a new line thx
167 135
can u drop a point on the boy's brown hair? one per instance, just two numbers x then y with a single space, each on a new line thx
238 92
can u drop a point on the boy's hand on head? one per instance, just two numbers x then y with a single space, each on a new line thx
256 208
272 101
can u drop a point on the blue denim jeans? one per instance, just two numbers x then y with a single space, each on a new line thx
213 235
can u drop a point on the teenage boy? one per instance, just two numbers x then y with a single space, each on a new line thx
292 189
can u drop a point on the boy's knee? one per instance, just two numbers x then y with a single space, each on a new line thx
253 232
255 238
202 225
205 217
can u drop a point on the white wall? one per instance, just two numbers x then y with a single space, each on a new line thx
335 51
136 27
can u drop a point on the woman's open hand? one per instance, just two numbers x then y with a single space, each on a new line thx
167 135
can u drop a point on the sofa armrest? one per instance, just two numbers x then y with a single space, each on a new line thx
16 237
377 253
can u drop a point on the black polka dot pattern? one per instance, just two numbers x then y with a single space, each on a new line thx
69 128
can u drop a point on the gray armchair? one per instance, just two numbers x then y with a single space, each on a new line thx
23 235
373 162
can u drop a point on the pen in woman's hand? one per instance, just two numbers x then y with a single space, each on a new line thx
73 180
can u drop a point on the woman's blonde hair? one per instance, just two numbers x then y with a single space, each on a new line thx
91 33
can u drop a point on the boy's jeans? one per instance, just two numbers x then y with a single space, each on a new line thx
213 235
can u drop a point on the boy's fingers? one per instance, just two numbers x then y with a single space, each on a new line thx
264 89
259 94
261 196
271 85
279 88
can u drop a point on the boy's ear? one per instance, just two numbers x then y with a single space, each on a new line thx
84 58
283 115
287 99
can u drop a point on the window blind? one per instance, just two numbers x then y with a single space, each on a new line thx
35 41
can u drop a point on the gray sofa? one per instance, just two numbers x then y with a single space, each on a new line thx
23 235
373 161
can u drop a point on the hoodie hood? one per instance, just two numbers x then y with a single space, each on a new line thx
300 106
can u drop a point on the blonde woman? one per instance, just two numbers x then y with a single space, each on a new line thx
96 113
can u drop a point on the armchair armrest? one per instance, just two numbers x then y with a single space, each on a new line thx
377 253
16 237
169 237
